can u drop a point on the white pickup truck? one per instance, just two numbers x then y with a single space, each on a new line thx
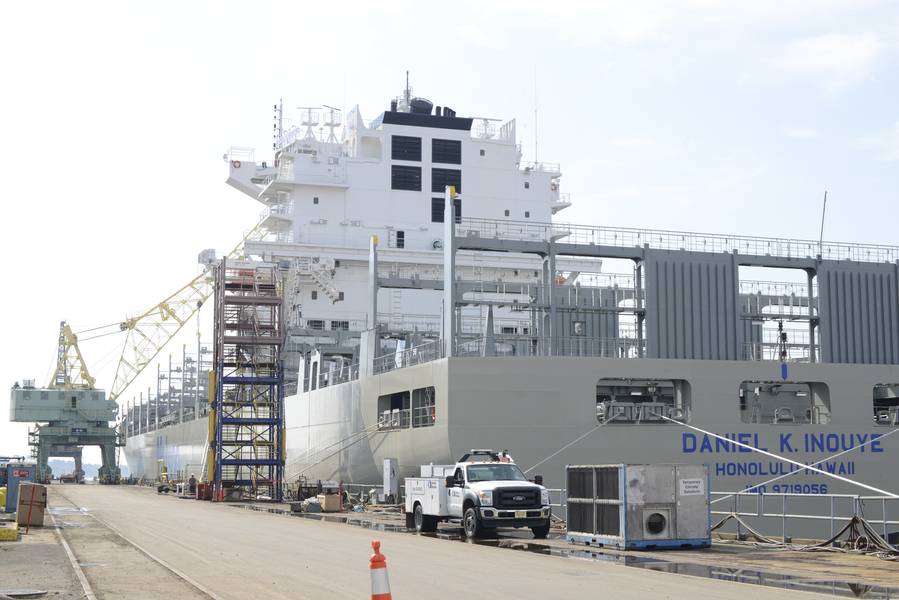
483 491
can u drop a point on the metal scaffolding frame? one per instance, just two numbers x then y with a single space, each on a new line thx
249 401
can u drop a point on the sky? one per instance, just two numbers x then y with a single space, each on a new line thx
699 115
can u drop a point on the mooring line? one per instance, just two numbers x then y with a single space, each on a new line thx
571 443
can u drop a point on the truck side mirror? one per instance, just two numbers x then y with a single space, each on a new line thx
538 479
450 480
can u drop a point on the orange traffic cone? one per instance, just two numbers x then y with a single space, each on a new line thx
380 586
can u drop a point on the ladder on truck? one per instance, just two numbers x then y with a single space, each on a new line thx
249 397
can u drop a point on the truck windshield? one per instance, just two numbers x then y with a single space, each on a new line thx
495 472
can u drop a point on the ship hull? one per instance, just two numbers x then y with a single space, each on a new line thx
180 447
536 406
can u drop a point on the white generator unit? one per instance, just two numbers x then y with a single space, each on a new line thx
391 481
639 506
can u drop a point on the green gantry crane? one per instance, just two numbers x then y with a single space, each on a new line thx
69 413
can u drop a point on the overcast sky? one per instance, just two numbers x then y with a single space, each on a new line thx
697 115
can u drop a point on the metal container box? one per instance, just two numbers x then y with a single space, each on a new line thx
329 502
31 505
639 506
15 473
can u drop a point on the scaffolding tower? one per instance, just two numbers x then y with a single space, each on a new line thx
249 407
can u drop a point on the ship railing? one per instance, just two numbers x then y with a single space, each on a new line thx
277 210
416 355
409 322
424 416
778 288
397 418
830 510
624 237
543 167
640 412
560 202
243 154
337 324
527 345
797 352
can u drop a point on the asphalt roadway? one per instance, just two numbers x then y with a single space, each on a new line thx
132 543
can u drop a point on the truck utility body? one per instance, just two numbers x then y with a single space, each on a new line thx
483 491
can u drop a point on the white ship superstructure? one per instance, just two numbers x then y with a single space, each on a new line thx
324 199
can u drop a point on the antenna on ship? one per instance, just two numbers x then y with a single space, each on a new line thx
278 125
309 118
536 156
821 236
333 119
407 93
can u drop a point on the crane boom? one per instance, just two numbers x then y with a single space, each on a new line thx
150 331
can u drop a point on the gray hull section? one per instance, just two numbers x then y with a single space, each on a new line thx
181 447
534 406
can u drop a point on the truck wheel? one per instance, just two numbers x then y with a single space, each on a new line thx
430 524
418 516
541 531
471 523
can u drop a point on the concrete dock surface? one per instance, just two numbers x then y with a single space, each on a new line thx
130 542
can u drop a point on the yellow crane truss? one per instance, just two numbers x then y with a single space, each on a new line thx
150 331
71 370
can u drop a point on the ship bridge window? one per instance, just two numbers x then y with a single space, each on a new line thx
437 206
886 404
405 178
440 178
424 407
784 403
403 147
394 411
446 151
642 401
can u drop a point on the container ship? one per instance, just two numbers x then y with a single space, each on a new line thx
433 303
